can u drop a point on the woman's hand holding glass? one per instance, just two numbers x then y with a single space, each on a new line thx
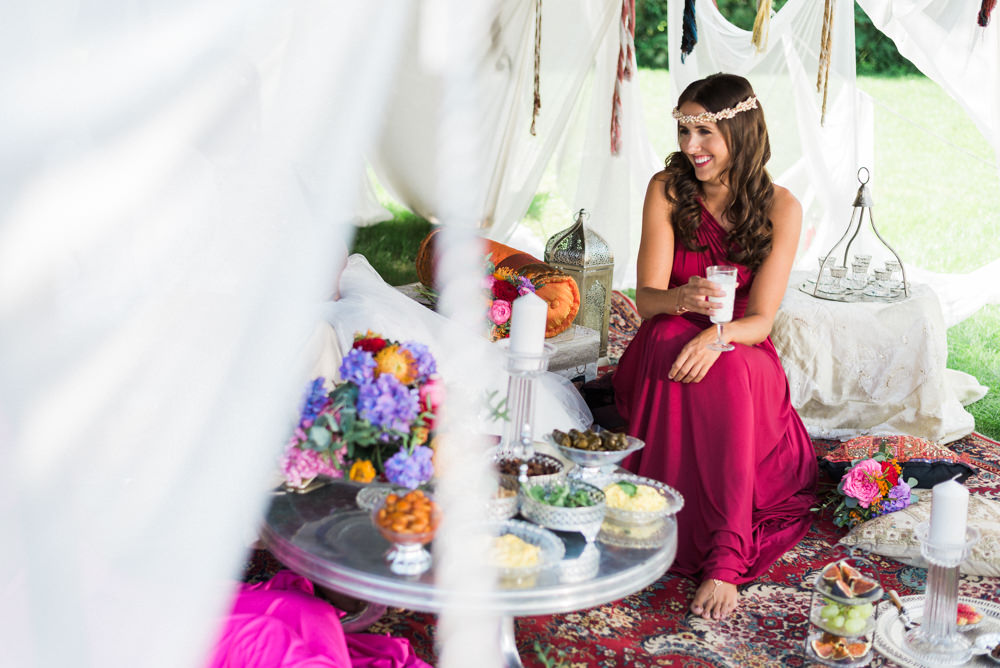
696 296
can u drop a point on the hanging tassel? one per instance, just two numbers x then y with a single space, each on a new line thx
761 25
689 33
984 12
538 64
626 54
826 45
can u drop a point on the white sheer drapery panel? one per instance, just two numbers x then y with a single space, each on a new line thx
942 38
449 45
818 163
171 172
369 210
512 158
612 188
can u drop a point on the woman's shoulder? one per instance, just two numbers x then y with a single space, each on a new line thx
785 207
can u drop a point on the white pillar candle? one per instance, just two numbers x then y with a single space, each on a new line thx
949 511
527 324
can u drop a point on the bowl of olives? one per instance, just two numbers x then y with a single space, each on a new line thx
595 452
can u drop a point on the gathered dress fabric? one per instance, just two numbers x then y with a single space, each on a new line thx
731 444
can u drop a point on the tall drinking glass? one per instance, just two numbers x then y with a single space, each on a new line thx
725 278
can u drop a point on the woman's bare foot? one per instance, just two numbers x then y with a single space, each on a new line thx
714 599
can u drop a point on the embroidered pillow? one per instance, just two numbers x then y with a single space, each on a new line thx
928 462
893 535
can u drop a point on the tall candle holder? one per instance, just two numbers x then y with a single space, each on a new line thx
936 641
523 368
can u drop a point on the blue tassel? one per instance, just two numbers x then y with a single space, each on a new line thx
689 33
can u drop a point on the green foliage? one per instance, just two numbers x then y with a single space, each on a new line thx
542 654
391 247
876 53
651 33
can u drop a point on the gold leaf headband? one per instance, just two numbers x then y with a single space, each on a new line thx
714 116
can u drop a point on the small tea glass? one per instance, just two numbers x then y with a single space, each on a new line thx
725 278
837 275
859 275
894 268
824 270
883 277
863 258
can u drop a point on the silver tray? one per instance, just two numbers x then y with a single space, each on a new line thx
856 295
889 630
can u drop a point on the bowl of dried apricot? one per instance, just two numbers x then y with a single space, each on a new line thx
408 521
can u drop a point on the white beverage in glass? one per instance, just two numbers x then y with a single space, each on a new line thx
725 278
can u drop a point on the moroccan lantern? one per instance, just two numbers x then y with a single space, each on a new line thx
586 257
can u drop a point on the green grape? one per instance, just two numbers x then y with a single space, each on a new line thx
854 625
867 610
837 622
855 612
830 611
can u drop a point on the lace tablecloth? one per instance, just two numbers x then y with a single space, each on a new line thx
872 368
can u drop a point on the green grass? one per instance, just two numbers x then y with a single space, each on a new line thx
937 201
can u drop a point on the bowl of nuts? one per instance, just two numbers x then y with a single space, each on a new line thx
408 521
595 451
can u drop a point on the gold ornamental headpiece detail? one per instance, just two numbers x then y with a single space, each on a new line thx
714 116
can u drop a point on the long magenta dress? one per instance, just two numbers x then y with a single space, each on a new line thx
731 444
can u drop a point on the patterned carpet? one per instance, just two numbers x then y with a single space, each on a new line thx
652 627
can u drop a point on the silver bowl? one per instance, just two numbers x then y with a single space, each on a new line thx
585 519
500 508
674 500
534 479
593 463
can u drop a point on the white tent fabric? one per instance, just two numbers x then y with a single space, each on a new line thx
575 119
942 38
171 173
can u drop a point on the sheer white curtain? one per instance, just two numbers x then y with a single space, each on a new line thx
579 53
172 175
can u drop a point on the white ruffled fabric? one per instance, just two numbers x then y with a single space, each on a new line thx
367 302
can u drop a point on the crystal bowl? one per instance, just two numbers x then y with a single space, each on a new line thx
585 519
403 536
552 551
673 500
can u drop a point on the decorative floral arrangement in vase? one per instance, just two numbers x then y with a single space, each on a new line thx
503 286
377 421
870 488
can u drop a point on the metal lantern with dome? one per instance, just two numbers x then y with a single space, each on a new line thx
844 281
584 255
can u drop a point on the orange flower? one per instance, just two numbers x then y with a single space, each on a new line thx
398 362
362 471
421 434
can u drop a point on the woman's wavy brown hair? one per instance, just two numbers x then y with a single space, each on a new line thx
750 185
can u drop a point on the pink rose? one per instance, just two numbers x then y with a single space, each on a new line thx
431 398
860 482
500 311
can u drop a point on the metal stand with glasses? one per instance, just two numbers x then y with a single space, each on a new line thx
839 281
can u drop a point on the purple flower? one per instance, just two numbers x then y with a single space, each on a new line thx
524 286
410 469
426 366
315 401
358 367
388 404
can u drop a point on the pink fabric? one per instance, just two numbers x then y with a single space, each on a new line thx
281 624
731 444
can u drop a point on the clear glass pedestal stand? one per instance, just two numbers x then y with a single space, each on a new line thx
518 437
937 642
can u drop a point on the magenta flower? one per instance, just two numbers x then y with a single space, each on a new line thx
500 311
301 466
861 482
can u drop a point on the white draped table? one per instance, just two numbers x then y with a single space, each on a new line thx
872 368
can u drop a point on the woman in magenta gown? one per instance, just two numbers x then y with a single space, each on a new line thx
719 426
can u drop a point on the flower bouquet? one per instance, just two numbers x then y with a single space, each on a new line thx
503 286
378 420
870 488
